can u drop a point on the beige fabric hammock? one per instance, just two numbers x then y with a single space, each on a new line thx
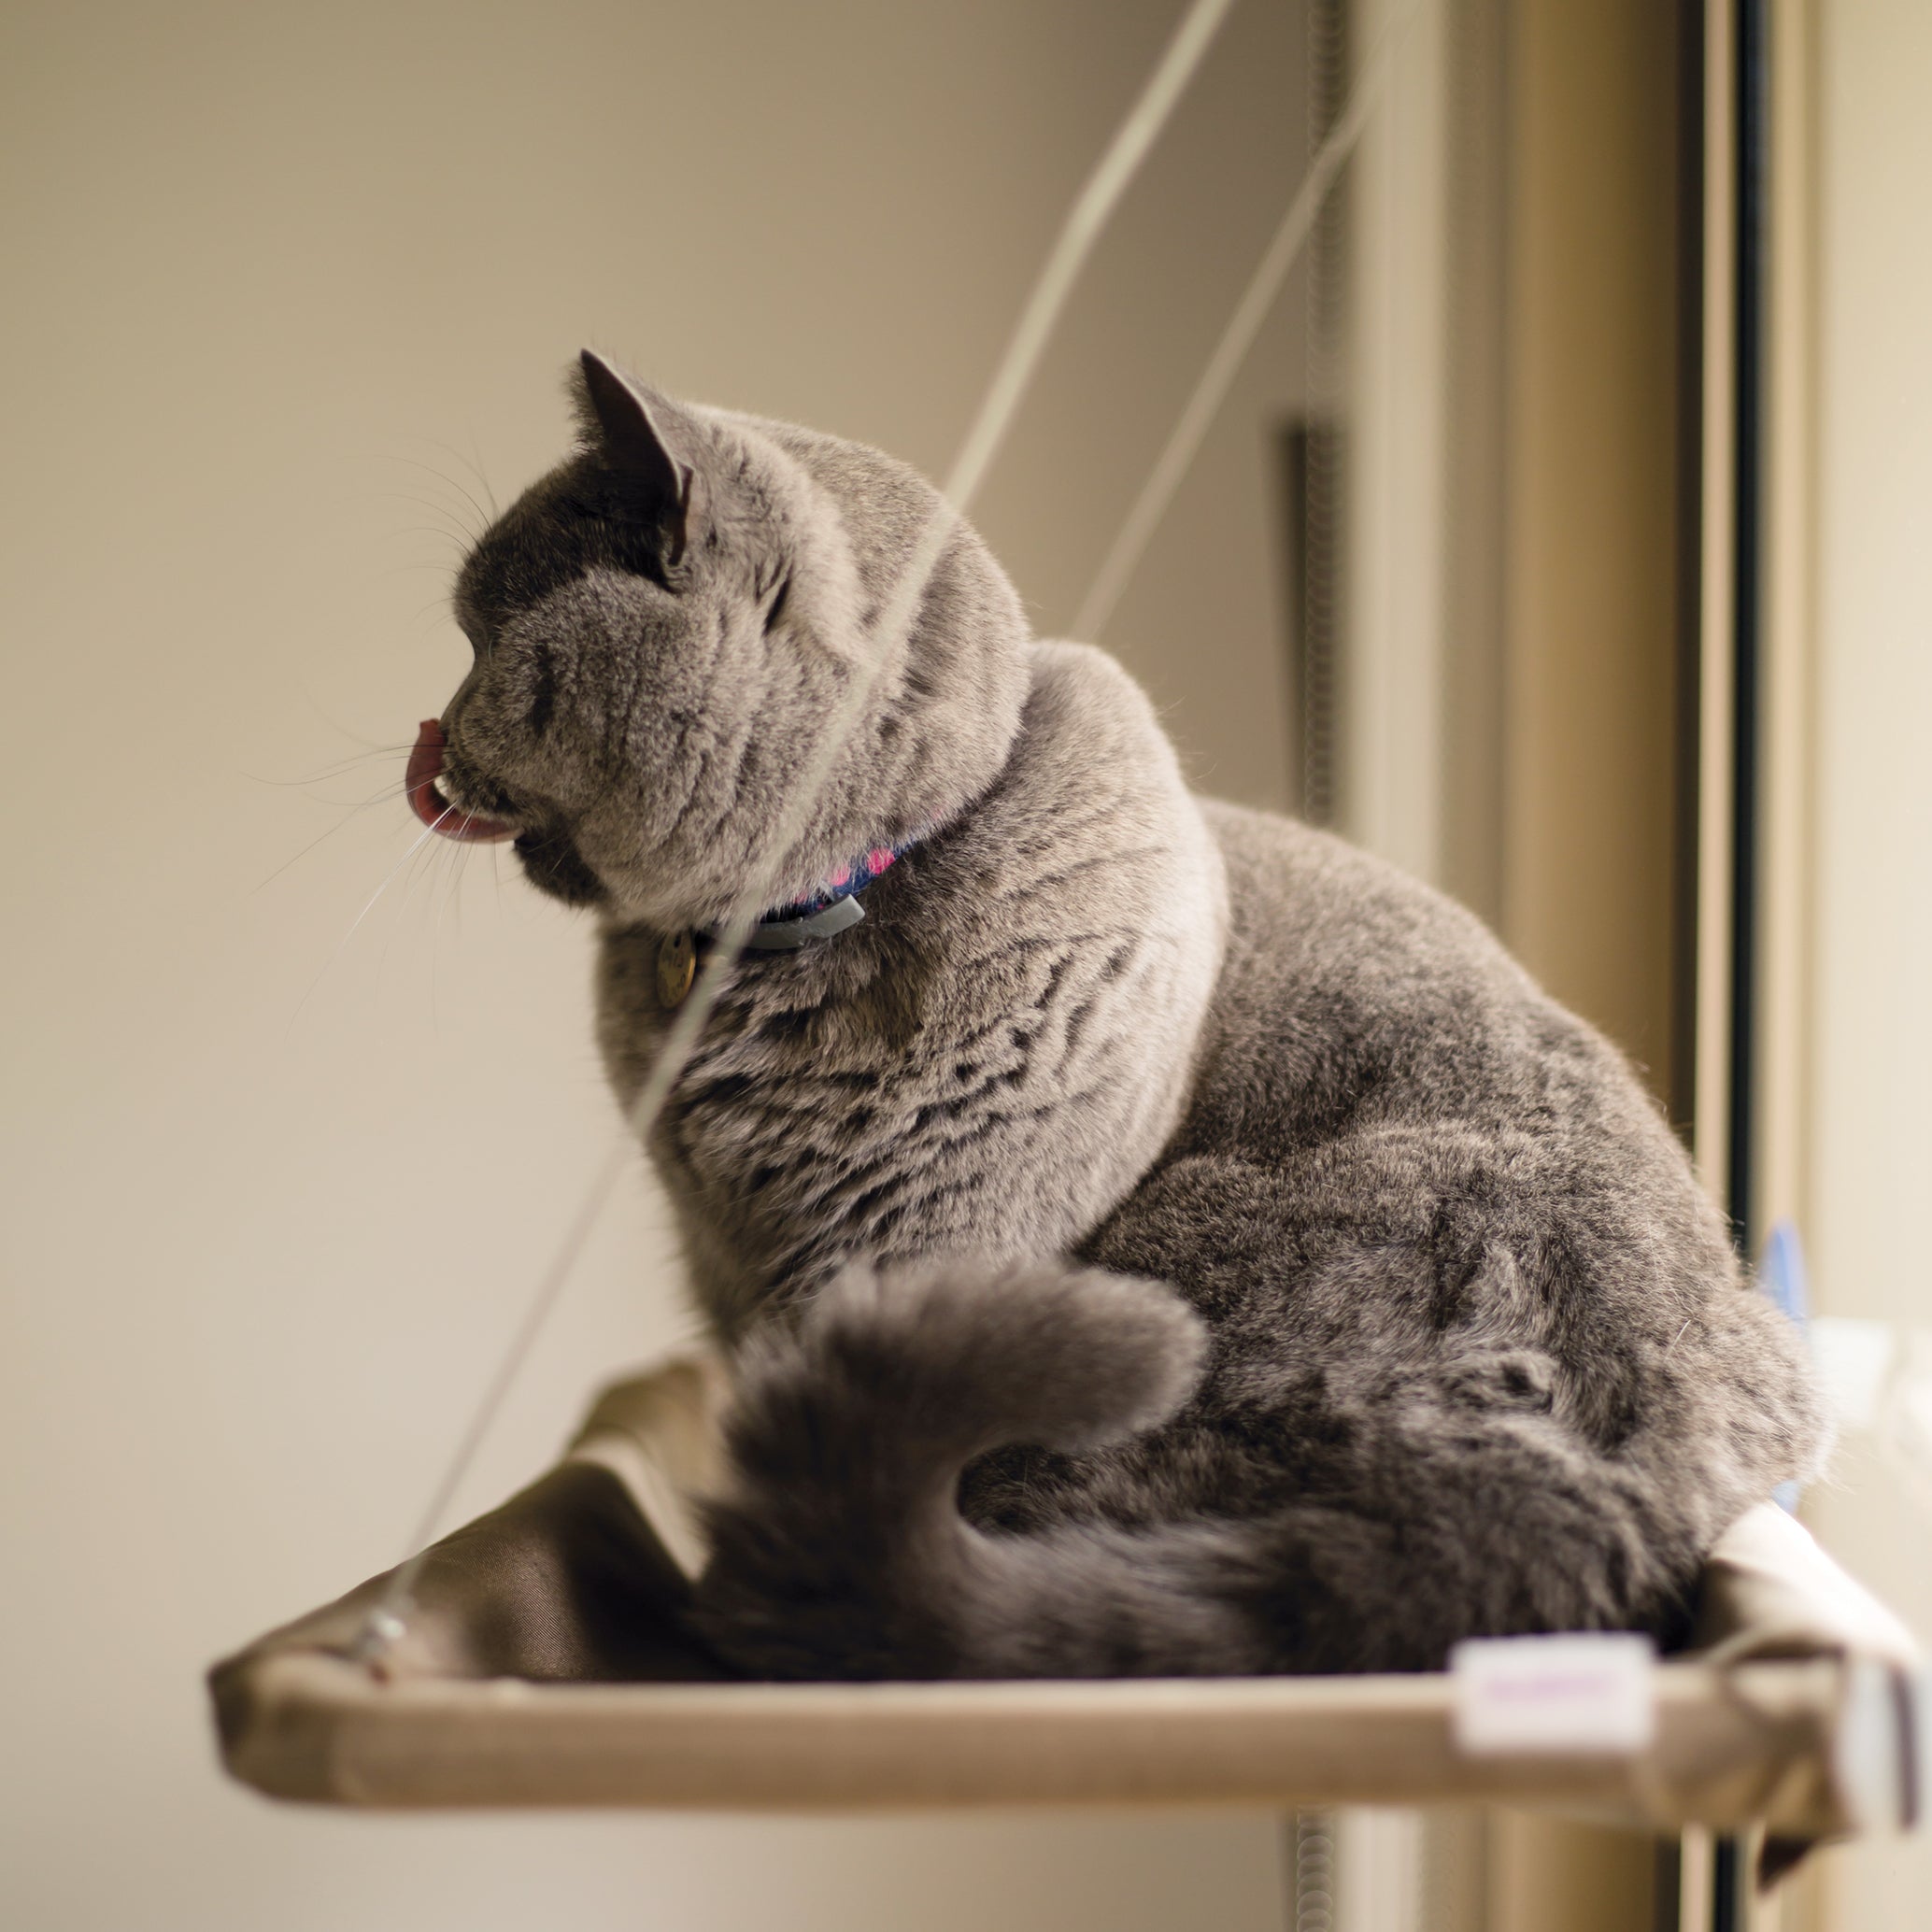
543 1664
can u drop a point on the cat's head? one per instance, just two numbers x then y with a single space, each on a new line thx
664 627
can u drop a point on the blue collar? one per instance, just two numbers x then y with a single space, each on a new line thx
831 909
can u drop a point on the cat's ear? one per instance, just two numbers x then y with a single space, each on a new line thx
619 422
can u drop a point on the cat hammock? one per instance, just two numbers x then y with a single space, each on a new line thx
544 1662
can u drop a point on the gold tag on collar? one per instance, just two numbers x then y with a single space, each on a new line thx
677 966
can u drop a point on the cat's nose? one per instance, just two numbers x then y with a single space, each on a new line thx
430 806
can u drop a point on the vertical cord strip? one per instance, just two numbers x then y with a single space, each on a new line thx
1196 418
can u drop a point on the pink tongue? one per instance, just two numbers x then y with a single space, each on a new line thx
430 806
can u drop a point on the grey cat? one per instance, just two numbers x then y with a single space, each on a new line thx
1154 1237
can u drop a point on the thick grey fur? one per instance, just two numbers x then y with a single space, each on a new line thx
1159 1238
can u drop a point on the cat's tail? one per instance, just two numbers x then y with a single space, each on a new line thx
839 1552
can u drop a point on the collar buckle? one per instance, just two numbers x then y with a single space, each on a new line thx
788 935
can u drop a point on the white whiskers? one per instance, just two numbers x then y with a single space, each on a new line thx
352 810
429 832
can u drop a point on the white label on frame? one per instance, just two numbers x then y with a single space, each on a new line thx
1589 1693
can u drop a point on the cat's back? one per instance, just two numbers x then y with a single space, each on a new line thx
1353 997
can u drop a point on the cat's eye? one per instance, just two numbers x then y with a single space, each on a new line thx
469 621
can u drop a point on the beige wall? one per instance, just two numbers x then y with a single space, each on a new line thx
275 1187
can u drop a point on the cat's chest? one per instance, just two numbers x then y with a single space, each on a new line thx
901 1104
818 1111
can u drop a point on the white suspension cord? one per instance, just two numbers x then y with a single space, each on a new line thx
1231 350
1085 222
